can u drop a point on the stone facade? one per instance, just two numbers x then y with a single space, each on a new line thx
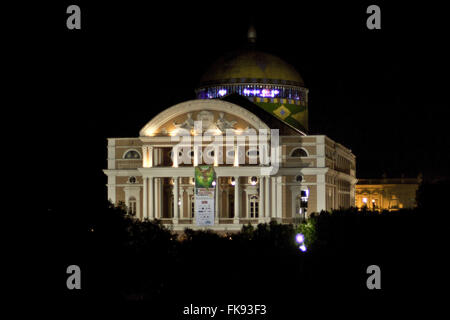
387 194
155 182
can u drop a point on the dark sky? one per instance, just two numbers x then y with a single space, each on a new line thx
381 93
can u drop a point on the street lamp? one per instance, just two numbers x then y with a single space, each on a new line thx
303 203
300 239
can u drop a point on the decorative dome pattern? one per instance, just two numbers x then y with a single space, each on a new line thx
251 66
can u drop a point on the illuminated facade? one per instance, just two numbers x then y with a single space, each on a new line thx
386 194
155 180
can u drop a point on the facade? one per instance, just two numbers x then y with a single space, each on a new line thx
153 173
387 194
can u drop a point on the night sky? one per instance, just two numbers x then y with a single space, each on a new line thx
381 93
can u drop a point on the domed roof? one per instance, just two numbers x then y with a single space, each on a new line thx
250 65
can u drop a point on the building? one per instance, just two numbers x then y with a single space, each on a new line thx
246 91
387 194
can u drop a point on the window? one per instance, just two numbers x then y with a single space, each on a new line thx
132 154
252 153
132 205
192 154
254 206
253 180
298 153
299 178
132 180
180 154
209 155
230 154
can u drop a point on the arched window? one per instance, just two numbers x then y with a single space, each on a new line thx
132 205
298 153
254 206
132 154
299 178
132 180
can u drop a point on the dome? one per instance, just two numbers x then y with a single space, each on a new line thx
251 66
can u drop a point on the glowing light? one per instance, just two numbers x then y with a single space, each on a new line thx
251 92
214 183
253 183
300 238
364 200
373 200
302 248
222 92
233 182
150 132
264 93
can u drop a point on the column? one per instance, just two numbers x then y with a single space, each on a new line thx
160 197
144 156
267 204
151 205
227 203
144 205
175 200
261 198
274 197
245 214
196 155
155 156
216 199
175 157
157 202
279 197
236 200
321 193
182 202
157 160
150 157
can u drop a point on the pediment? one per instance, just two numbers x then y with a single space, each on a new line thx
215 116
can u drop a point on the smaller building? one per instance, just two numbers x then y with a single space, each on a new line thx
387 194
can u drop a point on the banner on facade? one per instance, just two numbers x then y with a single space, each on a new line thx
204 205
